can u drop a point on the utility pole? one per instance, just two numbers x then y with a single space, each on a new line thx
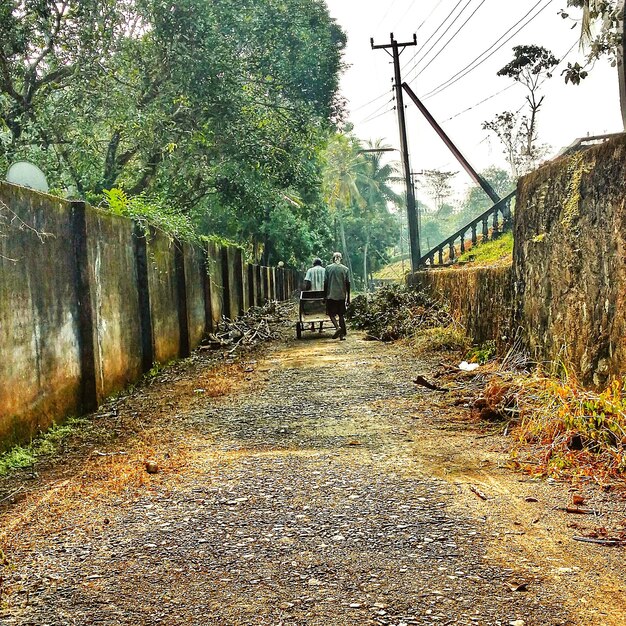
414 237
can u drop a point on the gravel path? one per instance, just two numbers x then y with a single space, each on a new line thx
298 499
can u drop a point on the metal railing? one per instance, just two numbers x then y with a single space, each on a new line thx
501 221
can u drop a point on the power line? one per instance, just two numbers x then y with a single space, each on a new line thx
479 103
418 29
371 119
382 19
490 51
465 23
445 32
434 33
382 95
506 89
373 113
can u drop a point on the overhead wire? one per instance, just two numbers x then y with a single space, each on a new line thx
490 51
465 23
382 19
418 29
441 25
371 119
362 106
373 113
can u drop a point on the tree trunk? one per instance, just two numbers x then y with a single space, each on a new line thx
365 280
346 256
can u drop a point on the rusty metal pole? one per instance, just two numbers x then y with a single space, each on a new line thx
487 188
404 148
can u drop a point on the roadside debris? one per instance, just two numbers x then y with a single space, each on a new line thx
420 380
464 366
602 542
257 325
478 492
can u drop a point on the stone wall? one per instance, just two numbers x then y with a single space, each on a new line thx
480 298
569 262
88 303
565 296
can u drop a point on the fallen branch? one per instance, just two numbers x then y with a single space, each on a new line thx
478 492
601 542
420 380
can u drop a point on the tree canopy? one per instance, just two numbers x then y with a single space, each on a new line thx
219 109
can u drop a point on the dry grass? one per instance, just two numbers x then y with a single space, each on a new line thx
560 428
105 472
440 338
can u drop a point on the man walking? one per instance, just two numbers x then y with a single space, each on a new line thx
315 276
337 288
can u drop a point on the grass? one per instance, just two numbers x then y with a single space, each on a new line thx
47 444
490 252
439 338
394 271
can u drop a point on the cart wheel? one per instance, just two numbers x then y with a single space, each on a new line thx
298 330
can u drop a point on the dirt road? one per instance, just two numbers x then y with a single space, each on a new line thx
315 485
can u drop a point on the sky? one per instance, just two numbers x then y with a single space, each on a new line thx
568 112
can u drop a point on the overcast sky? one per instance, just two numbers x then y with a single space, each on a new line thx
568 111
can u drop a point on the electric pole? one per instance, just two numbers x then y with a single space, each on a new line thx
414 238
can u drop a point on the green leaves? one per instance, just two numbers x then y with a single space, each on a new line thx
217 107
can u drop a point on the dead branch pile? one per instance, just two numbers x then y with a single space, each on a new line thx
396 312
258 324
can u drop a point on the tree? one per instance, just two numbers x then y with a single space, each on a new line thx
377 193
438 187
476 201
218 109
601 32
531 66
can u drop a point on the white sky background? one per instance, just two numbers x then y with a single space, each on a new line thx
568 111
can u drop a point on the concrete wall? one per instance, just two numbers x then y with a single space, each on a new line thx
163 289
567 288
40 370
88 303
114 301
480 299
198 294
569 268
216 283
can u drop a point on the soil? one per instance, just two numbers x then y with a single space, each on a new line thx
310 483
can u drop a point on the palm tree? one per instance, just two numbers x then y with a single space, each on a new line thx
376 181
342 172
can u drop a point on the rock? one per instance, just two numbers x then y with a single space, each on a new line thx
152 467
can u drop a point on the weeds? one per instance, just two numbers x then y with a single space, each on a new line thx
439 338
560 428
490 252
46 444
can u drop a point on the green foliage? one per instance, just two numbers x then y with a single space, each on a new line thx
216 110
47 444
491 251
440 338
148 212
483 353
605 40
358 189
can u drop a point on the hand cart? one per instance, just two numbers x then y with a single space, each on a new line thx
312 312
